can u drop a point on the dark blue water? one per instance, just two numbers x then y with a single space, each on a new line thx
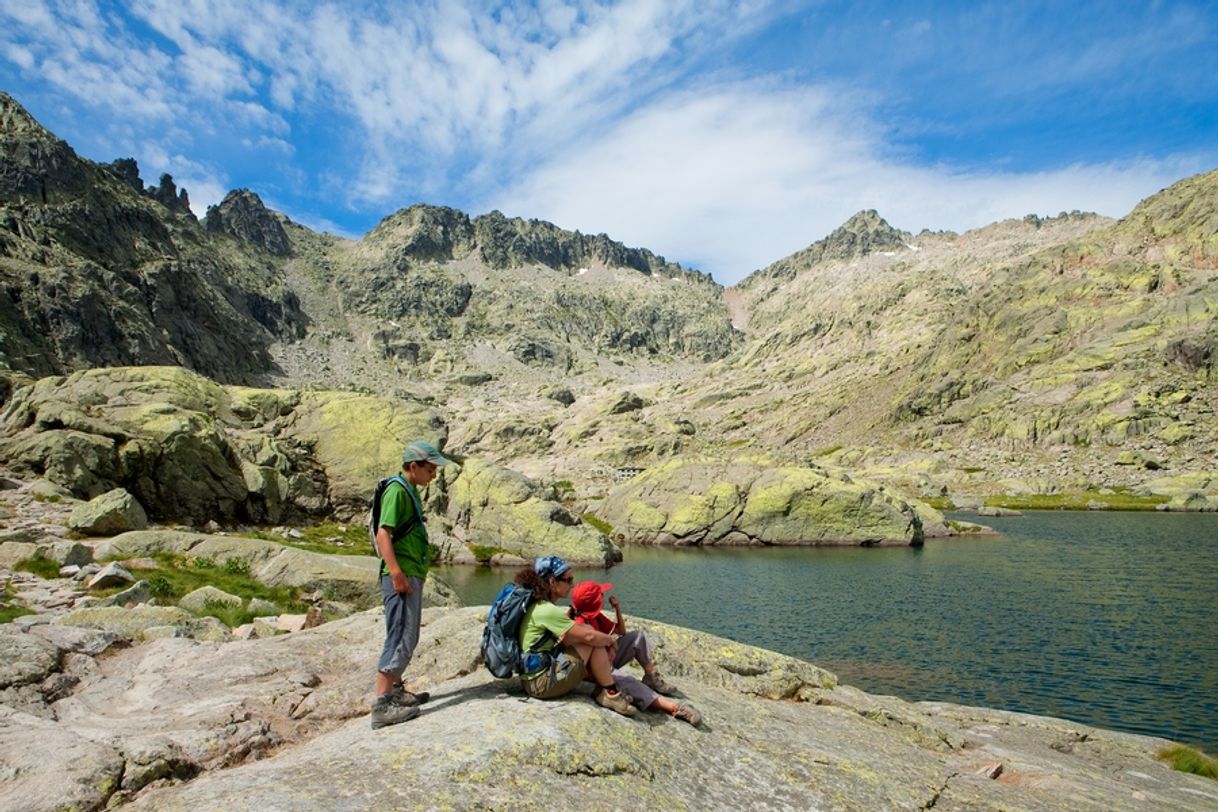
1105 618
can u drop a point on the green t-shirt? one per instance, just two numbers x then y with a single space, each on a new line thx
410 549
543 617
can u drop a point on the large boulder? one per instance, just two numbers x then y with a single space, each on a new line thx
111 513
492 506
754 500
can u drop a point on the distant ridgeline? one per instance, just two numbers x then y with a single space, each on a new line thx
100 271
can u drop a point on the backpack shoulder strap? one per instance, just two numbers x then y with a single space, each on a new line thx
417 518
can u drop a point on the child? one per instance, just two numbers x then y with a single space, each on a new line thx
587 598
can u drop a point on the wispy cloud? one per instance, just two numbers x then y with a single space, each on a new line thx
732 178
724 134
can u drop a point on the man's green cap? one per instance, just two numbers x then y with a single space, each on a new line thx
423 451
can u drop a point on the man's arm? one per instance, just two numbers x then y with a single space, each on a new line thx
384 543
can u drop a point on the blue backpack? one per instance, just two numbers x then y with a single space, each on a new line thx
501 637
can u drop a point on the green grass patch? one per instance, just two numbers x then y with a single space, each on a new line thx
484 552
9 608
972 469
1119 499
1188 760
178 575
825 452
329 538
598 523
939 502
12 612
42 567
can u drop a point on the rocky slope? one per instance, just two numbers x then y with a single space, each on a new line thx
1069 354
98 271
281 723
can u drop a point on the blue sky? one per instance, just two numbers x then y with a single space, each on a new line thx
722 135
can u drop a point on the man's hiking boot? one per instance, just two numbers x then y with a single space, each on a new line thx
385 712
658 684
399 696
616 701
688 713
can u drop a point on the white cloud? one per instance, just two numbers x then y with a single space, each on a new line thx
733 178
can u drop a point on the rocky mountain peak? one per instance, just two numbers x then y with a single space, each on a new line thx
864 233
243 215
38 167
168 195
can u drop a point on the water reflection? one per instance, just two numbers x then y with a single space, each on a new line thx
1102 618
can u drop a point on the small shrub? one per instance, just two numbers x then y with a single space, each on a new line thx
42 567
159 587
203 563
484 552
1188 760
229 614
236 566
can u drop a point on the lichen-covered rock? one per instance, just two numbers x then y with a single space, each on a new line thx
49 766
198 600
113 512
130 624
112 574
189 449
756 501
497 507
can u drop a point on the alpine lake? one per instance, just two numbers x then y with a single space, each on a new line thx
1103 618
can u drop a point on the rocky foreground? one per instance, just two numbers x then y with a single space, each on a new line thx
281 724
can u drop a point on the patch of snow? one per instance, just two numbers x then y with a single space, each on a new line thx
913 247
583 271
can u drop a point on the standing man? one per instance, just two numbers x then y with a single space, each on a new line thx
405 558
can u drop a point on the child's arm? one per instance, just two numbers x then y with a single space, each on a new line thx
620 627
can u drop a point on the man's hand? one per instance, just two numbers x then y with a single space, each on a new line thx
613 601
401 584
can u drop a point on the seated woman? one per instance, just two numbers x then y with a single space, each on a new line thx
574 650
587 599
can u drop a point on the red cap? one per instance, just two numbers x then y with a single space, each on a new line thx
588 596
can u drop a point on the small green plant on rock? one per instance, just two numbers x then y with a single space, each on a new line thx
159 587
42 567
231 615
1188 760
236 566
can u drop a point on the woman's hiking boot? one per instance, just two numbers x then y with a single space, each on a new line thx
385 712
616 701
658 684
399 696
688 713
